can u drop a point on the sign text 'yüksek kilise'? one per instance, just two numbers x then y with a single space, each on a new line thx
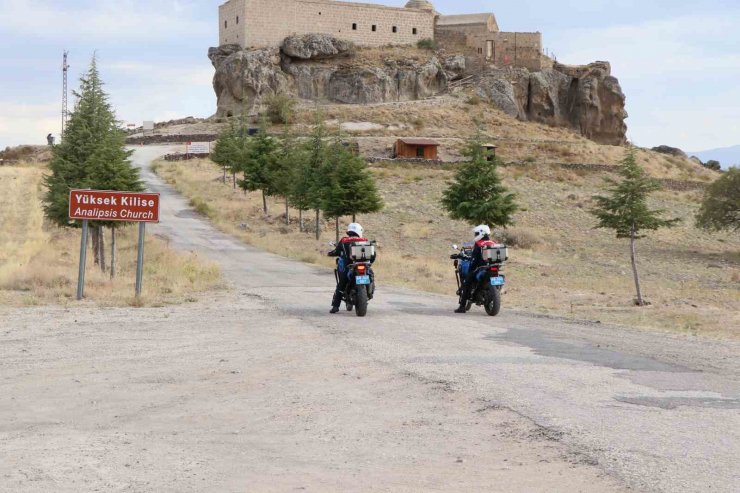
98 205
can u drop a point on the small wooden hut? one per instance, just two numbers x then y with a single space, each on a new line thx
416 148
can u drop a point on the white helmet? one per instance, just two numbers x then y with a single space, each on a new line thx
355 228
481 231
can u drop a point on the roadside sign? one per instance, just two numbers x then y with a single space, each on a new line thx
198 148
105 205
148 125
100 205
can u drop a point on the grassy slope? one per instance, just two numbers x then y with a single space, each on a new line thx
567 268
450 119
38 262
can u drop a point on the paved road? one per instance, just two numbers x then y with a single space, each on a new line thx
411 398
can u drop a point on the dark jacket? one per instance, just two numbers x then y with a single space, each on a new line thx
478 252
344 245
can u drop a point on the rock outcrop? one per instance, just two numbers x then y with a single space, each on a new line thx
317 67
316 47
244 78
586 98
671 151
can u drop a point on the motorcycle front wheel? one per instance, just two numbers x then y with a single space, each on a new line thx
361 301
493 301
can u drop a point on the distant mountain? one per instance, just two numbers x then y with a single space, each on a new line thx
727 156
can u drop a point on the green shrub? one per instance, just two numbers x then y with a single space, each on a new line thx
473 100
280 108
518 237
427 44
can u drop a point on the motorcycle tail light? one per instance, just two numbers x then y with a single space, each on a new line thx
361 269
494 270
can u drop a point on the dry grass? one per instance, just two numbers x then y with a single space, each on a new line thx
38 262
563 265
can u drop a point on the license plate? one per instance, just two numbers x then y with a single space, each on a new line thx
362 280
497 281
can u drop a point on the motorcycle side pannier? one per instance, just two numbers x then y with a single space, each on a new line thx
496 253
364 251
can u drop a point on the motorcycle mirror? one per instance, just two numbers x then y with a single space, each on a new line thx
332 244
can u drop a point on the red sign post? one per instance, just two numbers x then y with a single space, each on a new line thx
103 205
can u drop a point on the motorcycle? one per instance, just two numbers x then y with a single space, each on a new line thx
361 278
489 279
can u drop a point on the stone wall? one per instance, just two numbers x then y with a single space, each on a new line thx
267 22
504 49
232 25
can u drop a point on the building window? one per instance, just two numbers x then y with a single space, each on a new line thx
226 24
375 28
414 31
420 152
237 19
395 29
354 26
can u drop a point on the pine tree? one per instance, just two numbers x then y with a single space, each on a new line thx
258 163
310 183
288 160
351 188
226 150
92 155
720 209
625 209
476 194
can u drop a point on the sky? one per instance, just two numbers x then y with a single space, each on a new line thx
678 61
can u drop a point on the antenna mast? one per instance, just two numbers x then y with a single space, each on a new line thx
65 111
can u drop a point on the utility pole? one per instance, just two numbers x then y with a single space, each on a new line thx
65 111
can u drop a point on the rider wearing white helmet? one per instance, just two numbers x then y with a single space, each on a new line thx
482 234
355 233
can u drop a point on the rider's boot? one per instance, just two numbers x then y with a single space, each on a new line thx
461 309
336 302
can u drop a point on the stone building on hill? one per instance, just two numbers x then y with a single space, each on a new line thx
266 23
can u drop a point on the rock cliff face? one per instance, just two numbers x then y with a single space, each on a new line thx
586 98
320 68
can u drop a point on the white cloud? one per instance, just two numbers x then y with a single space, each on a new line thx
157 73
28 123
109 20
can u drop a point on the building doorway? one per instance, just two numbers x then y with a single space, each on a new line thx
490 51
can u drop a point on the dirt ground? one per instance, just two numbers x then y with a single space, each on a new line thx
147 400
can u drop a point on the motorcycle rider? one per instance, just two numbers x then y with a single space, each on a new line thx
354 235
482 234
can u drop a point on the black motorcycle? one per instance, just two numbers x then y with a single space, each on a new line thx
489 279
359 270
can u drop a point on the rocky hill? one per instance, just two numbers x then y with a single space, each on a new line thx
587 99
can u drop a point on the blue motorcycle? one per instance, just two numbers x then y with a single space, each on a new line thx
489 279
360 276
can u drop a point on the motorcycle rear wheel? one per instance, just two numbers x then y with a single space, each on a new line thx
361 299
493 301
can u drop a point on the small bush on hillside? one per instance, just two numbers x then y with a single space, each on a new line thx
518 237
281 108
473 100
418 123
17 153
427 44
713 164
